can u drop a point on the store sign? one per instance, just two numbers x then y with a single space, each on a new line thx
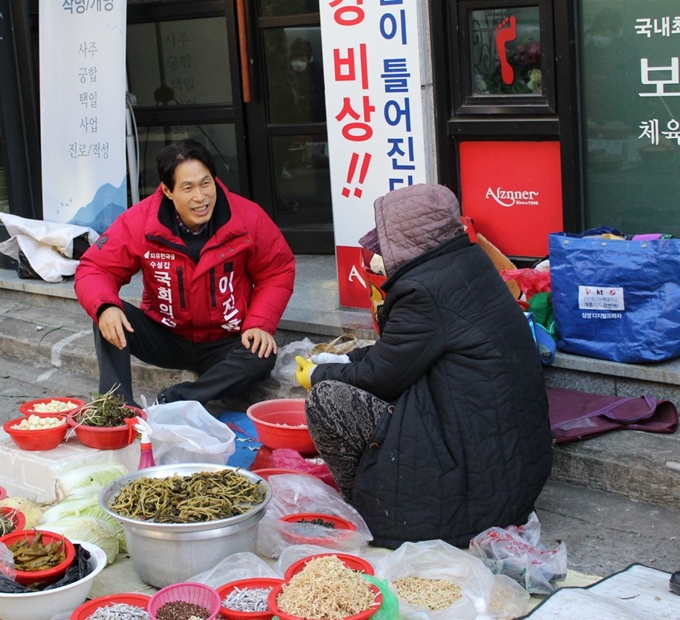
513 193
374 118
82 111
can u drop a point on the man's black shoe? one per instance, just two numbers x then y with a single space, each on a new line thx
160 399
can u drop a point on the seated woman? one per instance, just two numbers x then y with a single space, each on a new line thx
439 430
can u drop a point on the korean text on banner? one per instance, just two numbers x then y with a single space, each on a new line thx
82 111
374 118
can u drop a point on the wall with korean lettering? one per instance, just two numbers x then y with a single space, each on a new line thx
82 111
378 127
630 70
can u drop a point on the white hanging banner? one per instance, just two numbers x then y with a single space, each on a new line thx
82 111
371 57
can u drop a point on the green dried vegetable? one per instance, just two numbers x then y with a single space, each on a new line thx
203 496
33 555
104 410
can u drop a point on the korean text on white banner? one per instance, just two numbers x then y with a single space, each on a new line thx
82 111
371 55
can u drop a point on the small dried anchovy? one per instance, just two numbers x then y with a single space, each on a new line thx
248 599
120 611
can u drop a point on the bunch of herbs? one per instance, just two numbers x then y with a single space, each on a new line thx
104 410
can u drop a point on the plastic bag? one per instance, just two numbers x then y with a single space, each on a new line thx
285 458
293 494
615 299
285 366
530 281
243 565
7 562
518 553
436 559
185 432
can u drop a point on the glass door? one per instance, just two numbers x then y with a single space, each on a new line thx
182 68
266 128
287 122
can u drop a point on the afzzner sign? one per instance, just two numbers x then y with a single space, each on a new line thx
513 193
509 198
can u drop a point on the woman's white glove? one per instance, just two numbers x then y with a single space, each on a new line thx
330 358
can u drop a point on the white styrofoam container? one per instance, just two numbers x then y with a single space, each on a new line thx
33 474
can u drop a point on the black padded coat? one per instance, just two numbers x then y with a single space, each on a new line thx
465 443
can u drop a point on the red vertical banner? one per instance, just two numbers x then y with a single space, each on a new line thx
352 284
513 193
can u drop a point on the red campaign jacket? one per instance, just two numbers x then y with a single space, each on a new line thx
243 279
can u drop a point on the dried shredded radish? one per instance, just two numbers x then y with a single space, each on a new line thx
326 590
434 594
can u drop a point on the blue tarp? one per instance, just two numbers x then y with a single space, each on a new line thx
246 438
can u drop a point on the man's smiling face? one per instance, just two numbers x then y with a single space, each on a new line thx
194 194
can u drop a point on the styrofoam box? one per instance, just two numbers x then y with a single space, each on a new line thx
34 474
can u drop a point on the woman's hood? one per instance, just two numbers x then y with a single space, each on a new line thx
414 219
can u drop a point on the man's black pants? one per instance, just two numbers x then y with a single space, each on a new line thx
225 367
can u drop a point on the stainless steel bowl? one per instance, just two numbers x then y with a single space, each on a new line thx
165 553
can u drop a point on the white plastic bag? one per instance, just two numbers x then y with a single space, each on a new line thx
48 246
285 366
243 565
7 562
185 432
436 559
518 553
291 494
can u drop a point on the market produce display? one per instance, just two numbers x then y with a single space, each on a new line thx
203 496
54 406
11 519
120 611
434 594
326 588
32 554
104 410
35 422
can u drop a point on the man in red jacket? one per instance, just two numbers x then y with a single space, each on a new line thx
217 275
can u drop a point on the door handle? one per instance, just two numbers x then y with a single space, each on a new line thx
243 50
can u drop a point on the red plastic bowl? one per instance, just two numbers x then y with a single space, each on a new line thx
342 528
17 518
246 584
281 423
27 408
282 615
350 561
90 607
189 592
275 471
38 439
105 437
49 575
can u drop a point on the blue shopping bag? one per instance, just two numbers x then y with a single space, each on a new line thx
616 299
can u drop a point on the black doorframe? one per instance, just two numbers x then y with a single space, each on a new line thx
231 113
19 110
260 130
563 126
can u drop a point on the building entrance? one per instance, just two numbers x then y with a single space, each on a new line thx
246 79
